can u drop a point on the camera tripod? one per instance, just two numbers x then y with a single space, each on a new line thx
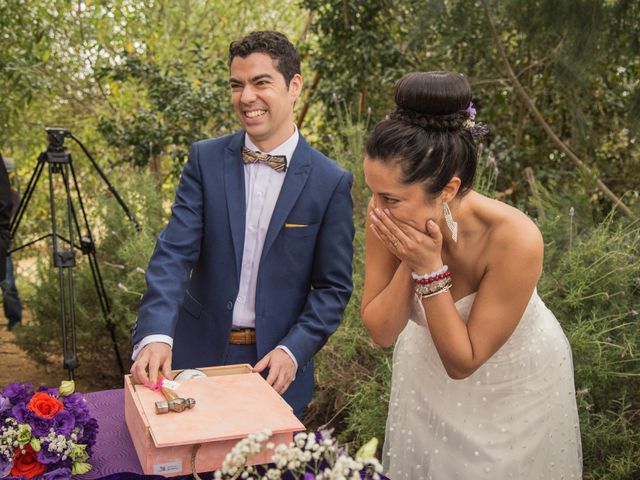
60 169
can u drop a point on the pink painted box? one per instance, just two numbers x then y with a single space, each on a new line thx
231 403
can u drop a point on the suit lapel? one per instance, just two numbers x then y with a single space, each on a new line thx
294 181
235 193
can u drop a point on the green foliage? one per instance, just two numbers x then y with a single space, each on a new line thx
176 111
122 255
592 284
139 81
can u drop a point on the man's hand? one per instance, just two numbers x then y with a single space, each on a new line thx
153 357
281 369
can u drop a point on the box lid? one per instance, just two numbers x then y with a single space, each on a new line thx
227 407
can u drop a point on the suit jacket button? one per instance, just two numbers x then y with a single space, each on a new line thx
229 305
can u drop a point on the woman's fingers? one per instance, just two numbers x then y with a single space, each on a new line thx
387 225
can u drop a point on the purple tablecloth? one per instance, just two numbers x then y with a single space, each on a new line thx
114 451
114 456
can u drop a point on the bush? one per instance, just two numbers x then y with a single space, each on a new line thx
592 284
122 255
591 281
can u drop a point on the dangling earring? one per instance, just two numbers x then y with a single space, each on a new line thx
453 225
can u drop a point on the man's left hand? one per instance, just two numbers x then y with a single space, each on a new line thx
281 369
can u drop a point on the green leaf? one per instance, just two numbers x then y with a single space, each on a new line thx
35 444
67 387
80 468
368 450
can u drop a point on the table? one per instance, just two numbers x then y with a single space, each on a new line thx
114 456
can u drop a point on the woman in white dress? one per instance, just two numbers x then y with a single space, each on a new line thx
482 382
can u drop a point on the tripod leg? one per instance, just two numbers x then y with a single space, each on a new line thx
88 248
24 201
64 260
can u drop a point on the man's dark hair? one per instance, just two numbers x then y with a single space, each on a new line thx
274 44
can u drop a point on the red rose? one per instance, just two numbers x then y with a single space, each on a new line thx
44 405
26 463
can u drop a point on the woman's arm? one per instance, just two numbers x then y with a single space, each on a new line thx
388 290
514 266
513 256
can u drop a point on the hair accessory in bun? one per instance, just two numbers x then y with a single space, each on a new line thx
478 130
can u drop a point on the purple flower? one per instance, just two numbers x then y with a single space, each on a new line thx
18 392
57 474
479 131
46 457
309 476
73 400
89 433
20 412
63 422
39 426
5 465
77 406
49 391
471 110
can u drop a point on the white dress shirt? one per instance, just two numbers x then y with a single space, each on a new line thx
262 188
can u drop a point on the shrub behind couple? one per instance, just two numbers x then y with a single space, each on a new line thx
254 266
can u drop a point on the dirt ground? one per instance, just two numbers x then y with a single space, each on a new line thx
15 366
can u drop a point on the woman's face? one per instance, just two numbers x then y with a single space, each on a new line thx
407 203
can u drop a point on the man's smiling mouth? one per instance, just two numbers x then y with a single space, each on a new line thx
255 113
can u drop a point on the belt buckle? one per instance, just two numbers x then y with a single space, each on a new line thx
244 336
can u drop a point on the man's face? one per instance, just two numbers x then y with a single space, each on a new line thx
261 99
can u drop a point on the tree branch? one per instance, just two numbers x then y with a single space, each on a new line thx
535 113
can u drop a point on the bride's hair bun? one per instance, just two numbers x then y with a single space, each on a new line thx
433 100
428 135
453 121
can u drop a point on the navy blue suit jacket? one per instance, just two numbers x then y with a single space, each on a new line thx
304 278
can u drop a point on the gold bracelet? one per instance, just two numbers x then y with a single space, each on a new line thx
429 288
437 292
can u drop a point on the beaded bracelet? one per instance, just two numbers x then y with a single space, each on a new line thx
417 276
426 281
433 288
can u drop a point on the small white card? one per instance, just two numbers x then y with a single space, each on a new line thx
170 384
174 466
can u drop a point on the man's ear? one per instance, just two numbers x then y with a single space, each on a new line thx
295 87
450 190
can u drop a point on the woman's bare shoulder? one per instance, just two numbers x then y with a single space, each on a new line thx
513 233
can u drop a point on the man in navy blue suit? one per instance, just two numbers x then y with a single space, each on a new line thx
254 265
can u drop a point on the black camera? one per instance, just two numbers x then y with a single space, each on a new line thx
56 138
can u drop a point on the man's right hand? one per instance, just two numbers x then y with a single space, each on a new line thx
152 358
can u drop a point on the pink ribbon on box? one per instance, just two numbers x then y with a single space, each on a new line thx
155 387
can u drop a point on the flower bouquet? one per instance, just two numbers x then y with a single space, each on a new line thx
311 456
46 434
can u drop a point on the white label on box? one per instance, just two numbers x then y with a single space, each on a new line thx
170 384
174 466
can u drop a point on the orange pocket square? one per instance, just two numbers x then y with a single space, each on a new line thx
294 225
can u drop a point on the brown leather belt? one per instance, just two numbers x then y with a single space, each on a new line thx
246 336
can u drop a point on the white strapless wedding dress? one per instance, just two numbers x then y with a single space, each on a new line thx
514 418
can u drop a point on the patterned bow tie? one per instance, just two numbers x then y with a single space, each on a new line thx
277 162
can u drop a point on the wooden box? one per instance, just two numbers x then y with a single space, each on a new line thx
231 403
